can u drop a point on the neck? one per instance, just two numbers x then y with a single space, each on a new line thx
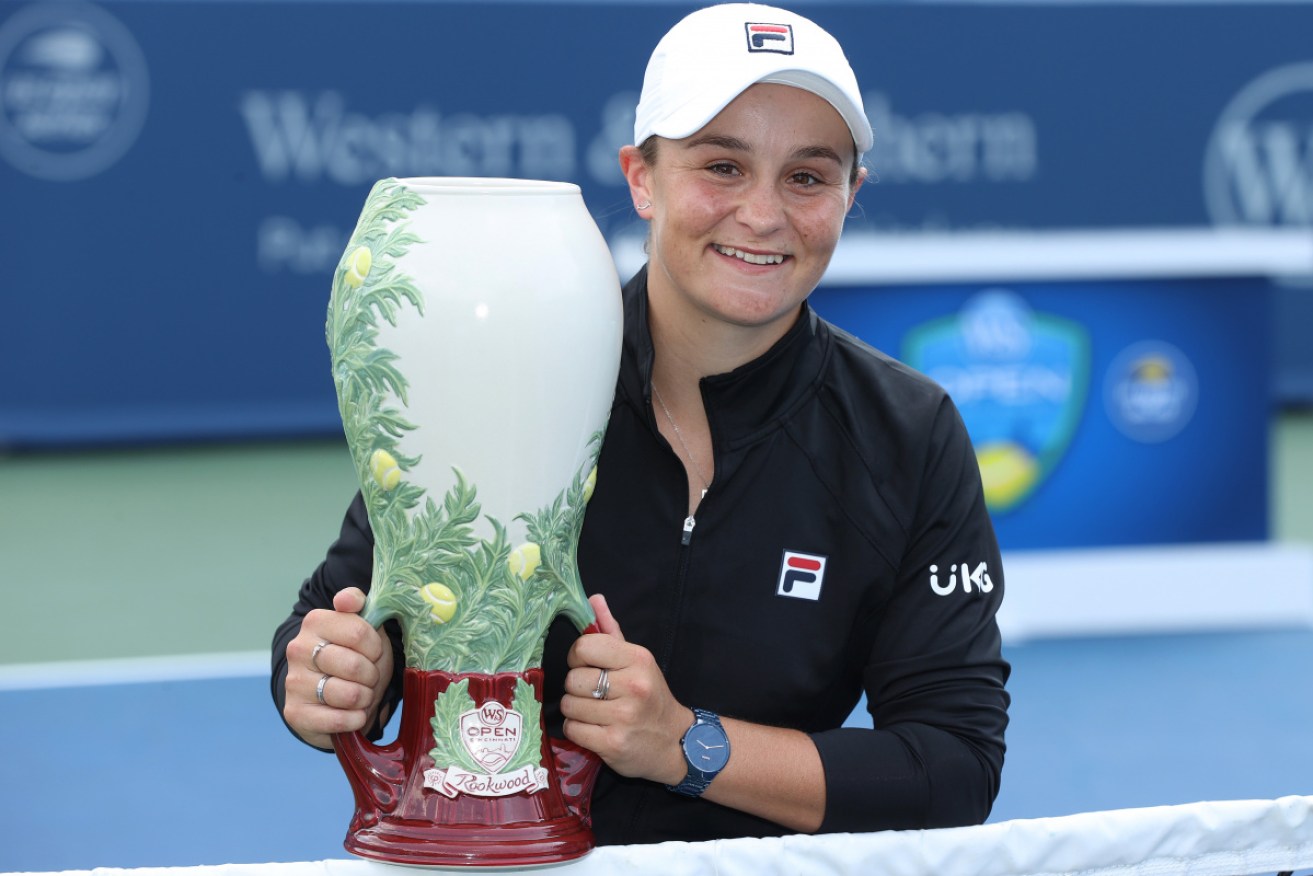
691 344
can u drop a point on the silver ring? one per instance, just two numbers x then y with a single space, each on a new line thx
603 685
319 689
314 656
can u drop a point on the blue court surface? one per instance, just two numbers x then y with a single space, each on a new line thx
202 771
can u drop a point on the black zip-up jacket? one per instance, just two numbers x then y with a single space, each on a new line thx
844 547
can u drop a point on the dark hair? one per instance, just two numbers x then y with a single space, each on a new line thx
648 149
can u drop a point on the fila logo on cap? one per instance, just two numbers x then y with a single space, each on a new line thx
770 38
801 576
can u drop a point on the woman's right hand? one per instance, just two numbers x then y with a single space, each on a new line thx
339 655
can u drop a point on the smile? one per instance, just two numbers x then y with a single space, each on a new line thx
751 258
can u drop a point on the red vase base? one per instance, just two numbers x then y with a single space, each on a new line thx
401 819
471 845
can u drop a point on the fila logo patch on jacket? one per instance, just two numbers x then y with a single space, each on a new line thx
801 576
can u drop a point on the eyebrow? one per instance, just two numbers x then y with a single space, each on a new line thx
735 144
823 152
724 142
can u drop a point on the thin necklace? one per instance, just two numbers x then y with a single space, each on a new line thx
697 469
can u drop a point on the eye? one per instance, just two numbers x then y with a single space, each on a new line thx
805 178
723 168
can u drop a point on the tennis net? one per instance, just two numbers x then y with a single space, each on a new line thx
1219 838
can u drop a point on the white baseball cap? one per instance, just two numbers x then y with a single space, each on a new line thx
713 55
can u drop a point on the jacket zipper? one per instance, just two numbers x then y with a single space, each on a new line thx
680 582
689 523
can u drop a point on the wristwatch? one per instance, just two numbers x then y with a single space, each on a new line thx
706 751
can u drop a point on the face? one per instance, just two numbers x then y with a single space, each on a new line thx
746 212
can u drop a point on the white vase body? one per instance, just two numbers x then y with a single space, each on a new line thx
475 331
512 366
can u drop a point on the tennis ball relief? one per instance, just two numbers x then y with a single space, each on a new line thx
383 466
442 602
524 560
357 266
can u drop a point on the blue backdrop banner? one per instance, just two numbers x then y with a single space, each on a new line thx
179 178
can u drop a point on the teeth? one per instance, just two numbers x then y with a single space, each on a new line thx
751 258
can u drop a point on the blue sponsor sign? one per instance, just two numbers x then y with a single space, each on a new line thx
1019 378
179 178
1118 412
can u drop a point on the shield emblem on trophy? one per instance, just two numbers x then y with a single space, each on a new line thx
491 735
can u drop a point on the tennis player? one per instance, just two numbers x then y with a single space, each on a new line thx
784 518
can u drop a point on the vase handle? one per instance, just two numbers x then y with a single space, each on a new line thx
376 773
577 767
576 772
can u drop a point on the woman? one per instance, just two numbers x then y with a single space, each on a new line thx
779 510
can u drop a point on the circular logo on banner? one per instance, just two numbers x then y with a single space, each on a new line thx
1151 391
1258 167
75 90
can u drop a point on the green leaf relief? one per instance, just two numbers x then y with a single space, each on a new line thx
496 619
531 743
448 750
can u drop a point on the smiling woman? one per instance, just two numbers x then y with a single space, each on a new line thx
744 218
771 500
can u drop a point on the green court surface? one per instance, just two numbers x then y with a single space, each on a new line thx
200 549
145 552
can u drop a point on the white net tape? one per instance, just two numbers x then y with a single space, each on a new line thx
1228 838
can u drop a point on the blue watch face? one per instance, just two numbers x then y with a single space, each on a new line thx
706 747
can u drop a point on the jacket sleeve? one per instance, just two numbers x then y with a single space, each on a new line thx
349 563
935 675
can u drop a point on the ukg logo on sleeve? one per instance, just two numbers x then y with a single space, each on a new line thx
75 90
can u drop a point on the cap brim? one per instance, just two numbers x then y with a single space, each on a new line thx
696 113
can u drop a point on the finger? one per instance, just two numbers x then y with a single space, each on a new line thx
313 720
598 650
347 652
344 629
587 680
339 693
604 728
589 736
350 599
586 710
606 621
347 664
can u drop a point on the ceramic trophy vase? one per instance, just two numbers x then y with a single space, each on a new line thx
475 336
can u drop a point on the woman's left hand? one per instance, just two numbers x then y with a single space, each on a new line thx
636 729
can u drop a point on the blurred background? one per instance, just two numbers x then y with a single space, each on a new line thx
1092 222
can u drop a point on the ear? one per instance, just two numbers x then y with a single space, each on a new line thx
639 177
862 173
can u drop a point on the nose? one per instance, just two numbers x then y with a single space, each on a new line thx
762 209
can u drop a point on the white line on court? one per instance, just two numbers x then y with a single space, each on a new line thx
133 670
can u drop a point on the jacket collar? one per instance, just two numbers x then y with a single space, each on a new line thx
744 404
